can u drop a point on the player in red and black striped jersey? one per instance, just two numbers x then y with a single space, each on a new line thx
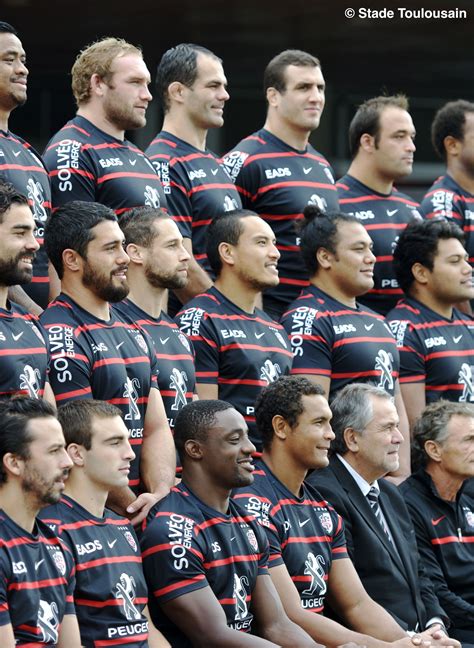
20 164
452 194
381 143
277 172
435 339
89 158
159 261
36 568
94 352
23 352
110 594
308 557
239 349
205 559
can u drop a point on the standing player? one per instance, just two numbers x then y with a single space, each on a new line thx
192 89
36 569
204 559
20 164
110 593
95 354
278 173
239 349
435 339
381 143
452 195
24 357
89 158
308 557
158 260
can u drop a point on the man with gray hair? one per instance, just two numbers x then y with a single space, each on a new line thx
441 503
379 534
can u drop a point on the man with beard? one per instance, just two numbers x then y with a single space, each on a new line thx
159 260
21 165
95 354
89 158
239 349
24 357
36 569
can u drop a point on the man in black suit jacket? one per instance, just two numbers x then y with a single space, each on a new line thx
380 538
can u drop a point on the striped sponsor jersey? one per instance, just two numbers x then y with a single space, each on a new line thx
434 350
196 185
304 533
84 163
21 165
239 352
384 217
23 353
446 198
278 181
187 546
111 361
110 591
36 582
174 357
341 343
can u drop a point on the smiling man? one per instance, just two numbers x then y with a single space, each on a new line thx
89 158
96 354
239 349
381 143
277 172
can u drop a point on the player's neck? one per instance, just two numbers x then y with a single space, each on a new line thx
148 298
212 494
19 508
241 295
86 299
186 131
4 116
282 465
370 177
86 493
459 174
294 137
100 121
431 301
447 486
3 296
324 283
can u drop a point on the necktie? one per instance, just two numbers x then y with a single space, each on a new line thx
373 497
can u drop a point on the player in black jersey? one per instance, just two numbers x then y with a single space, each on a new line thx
239 349
23 352
159 261
276 170
308 556
381 143
435 339
95 353
110 593
205 559
89 158
21 165
192 86
36 569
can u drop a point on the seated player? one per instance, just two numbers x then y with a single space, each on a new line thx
111 593
204 558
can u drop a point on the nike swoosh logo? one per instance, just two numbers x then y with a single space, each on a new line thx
438 520
456 339
259 335
37 564
232 539
119 345
164 341
132 162
391 212
16 153
17 336
368 327
214 171
306 171
111 544
304 522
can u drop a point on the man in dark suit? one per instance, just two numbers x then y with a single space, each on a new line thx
380 537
